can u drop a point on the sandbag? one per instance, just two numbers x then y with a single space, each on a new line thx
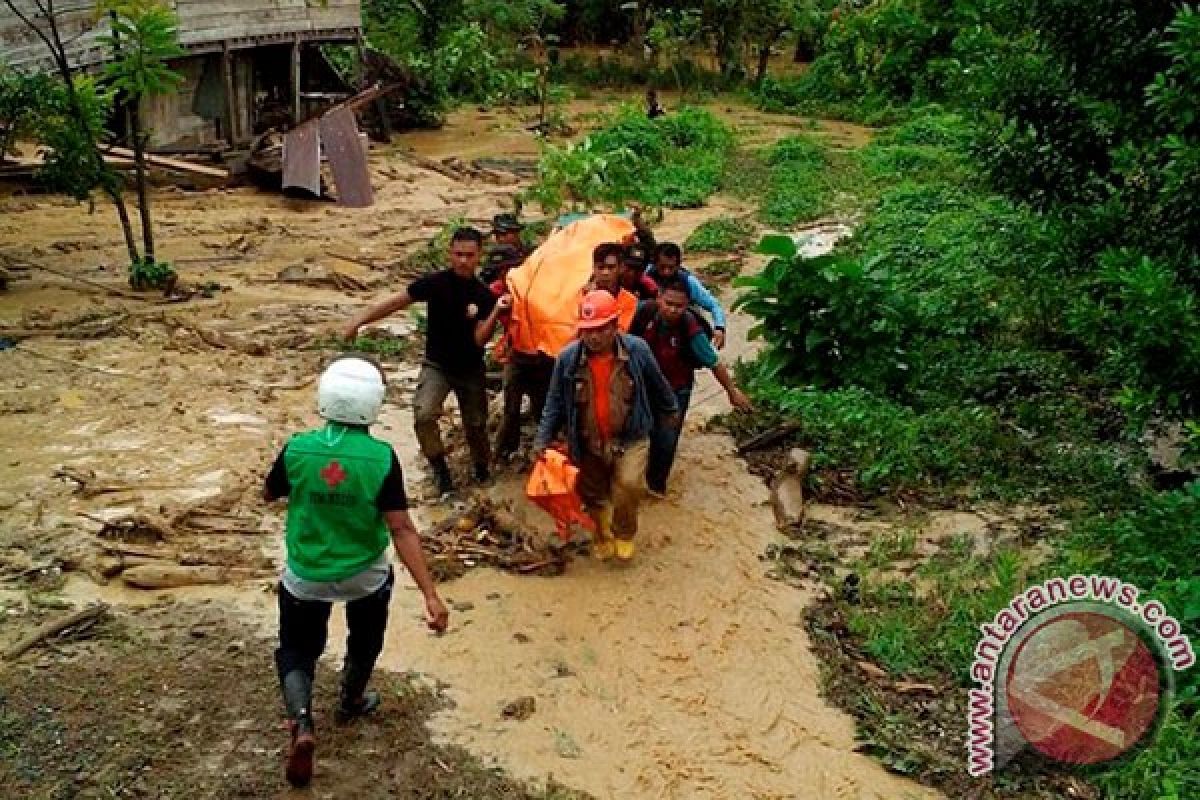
547 288
551 487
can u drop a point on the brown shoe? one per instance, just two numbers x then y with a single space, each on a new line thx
299 770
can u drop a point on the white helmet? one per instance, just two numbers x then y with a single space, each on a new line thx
350 391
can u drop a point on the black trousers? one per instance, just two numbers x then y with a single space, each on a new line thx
304 629
524 376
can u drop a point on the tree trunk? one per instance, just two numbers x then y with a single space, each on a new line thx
764 58
143 196
114 194
638 36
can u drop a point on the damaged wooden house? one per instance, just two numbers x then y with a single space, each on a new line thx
251 67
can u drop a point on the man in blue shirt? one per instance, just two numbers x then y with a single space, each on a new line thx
668 263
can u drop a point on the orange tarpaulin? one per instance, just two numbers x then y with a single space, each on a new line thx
547 288
551 487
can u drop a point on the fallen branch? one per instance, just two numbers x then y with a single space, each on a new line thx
169 576
86 282
53 628
767 438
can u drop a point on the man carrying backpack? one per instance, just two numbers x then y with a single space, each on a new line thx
668 263
680 341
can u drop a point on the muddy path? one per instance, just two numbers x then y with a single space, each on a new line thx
687 674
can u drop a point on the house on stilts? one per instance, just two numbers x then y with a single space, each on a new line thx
249 65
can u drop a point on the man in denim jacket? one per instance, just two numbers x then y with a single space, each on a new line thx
608 393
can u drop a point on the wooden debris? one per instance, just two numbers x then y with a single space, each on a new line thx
905 687
198 520
87 486
173 576
174 165
490 535
134 528
55 627
872 670
764 440
458 170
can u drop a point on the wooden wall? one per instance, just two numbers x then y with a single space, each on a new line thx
204 25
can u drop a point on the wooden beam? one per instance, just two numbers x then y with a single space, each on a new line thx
296 111
230 100
173 164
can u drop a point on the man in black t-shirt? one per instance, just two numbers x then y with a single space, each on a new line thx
462 316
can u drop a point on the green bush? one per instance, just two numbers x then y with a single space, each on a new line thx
720 235
802 182
676 161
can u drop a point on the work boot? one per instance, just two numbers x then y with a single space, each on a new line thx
355 699
624 549
441 475
602 542
297 696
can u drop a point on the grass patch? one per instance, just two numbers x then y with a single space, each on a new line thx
721 235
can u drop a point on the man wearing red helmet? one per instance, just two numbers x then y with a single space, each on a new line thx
607 393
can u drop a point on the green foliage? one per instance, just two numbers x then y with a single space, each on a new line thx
720 235
461 50
145 274
801 185
23 98
435 254
144 36
675 161
932 631
73 166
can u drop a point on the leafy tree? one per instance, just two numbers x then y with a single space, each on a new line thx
73 131
143 36
22 98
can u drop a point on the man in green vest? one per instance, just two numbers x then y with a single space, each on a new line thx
346 503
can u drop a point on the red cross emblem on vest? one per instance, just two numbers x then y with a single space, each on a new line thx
333 474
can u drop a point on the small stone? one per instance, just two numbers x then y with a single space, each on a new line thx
521 638
463 607
493 596
520 709
198 632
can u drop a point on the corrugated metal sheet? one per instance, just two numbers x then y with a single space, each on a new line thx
302 159
343 148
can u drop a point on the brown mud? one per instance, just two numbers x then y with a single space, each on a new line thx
687 674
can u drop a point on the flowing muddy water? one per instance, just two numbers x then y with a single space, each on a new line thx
686 674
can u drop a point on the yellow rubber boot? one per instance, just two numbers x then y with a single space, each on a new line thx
625 549
602 542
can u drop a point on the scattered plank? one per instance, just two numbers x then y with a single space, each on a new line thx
55 627
168 576
173 164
